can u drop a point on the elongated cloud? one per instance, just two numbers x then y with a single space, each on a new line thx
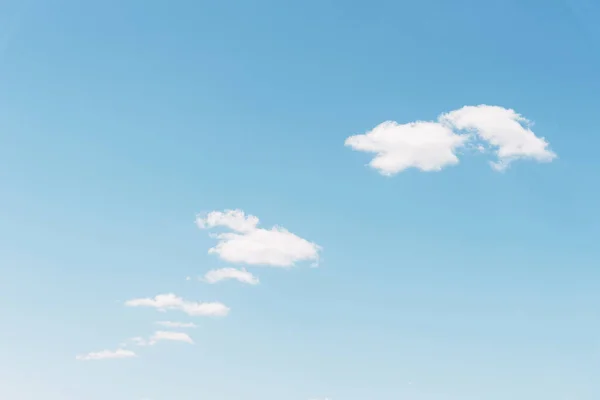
106 354
163 336
241 275
434 145
248 244
173 324
169 301
507 132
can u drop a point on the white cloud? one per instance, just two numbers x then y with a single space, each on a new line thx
164 302
505 130
433 145
172 336
172 324
106 354
217 275
163 335
235 220
248 244
428 146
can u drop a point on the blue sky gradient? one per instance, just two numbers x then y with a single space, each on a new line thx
120 121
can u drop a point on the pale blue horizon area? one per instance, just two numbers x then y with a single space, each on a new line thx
121 120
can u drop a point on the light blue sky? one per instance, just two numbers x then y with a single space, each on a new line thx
120 120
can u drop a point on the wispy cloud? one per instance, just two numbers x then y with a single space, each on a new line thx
172 324
169 301
241 275
106 354
162 336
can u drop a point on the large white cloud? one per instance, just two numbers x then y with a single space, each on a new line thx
162 336
433 145
169 301
106 354
248 244
428 146
241 275
506 131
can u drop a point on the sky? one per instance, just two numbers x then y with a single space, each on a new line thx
265 200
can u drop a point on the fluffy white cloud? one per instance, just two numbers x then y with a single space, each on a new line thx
172 324
248 244
217 275
428 146
164 302
505 130
236 220
106 354
433 145
163 335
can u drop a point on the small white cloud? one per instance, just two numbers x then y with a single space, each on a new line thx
161 336
164 302
428 146
433 145
106 354
172 336
217 275
248 244
236 220
172 324
505 130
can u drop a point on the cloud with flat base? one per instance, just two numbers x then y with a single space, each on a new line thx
249 244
